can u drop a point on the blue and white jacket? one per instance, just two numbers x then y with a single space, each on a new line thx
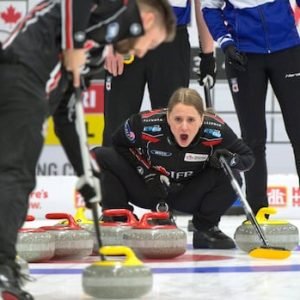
182 11
253 26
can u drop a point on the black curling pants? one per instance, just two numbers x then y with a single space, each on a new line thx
22 114
163 69
207 196
282 70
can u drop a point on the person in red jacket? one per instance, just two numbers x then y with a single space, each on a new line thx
171 157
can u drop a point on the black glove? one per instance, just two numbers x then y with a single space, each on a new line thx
89 186
231 158
235 58
157 184
207 68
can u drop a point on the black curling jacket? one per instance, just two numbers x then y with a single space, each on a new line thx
40 38
38 42
146 141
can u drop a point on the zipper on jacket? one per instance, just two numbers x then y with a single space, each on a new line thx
263 21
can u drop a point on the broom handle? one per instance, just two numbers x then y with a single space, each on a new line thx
207 83
247 208
87 168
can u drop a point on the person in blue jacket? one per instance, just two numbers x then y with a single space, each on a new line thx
261 46
163 70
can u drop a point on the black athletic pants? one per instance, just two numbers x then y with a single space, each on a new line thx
164 70
207 196
23 108
282 70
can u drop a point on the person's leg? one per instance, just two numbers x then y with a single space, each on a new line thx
123 96
207 197
168 68
120 182
248 91
23 109
284 69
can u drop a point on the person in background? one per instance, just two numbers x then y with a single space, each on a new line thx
262 46
170 158
163 70
38 62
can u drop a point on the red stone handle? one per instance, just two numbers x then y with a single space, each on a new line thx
71 221
29 218
131 219
144 222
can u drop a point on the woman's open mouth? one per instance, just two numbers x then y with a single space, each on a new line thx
183 137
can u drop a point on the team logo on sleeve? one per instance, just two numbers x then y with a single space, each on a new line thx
128 132
154 128
213 132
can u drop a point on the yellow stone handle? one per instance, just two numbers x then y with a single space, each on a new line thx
261 216
80 216
130 257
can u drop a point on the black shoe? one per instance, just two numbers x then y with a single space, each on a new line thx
191 226
212 238
11 281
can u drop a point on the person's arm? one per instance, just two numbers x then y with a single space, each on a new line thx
244 155
65 130
213 16
75 15
127 141
128 136
206 42
207 68
114 62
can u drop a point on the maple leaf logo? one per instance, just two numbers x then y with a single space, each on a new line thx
10 15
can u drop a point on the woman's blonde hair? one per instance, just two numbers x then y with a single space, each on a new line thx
187 96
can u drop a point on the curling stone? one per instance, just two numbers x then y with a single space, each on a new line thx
35 244
278 233
80 219
108 279
88 225
112 232
70 240
156 241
